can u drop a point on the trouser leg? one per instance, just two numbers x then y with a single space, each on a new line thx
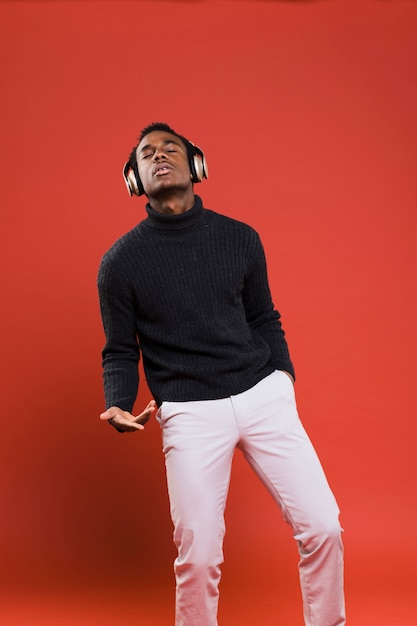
276 445
199 439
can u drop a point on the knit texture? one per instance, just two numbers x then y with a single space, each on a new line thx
190 293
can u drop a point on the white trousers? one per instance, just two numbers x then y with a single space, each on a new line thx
199 440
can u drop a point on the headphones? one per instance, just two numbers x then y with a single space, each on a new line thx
196 161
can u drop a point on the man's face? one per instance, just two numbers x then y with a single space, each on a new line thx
162 163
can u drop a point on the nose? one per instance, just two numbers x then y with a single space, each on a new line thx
159 154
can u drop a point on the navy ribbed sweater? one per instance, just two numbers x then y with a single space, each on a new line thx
190 292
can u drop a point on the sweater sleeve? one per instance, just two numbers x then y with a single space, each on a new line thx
261 315
121 351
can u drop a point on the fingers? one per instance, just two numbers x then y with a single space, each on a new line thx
125 421
143 417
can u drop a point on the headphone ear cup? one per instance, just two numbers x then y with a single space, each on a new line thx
198 165
133 184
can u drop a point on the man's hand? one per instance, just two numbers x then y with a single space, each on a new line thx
125 421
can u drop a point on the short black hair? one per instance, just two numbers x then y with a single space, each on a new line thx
160 126
150 129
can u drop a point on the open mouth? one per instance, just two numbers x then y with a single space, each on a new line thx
162 169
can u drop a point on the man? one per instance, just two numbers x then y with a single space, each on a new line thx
187 289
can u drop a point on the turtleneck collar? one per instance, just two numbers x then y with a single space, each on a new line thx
190 218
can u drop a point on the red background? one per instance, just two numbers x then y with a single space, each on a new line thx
306 111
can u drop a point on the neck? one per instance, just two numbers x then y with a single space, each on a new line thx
173 204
